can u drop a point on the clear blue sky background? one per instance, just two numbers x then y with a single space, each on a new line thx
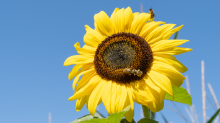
37 36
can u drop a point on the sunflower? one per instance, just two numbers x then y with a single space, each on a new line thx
127 58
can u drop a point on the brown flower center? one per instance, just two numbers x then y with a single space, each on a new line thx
123 58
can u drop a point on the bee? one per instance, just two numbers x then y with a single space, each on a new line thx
130 71
152 13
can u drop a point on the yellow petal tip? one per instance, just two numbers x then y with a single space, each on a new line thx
77 44
86 26
65 63
71 98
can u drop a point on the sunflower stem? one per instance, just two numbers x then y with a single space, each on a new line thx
146 112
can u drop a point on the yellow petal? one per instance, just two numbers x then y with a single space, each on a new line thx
162 81
138 22
171 60
87 89
83 51
74 71
129 114
136 13
145 97
149 27
156 91
167 28
93 37
128 18
100 100
142 97
159 31
152 106
154 40
78 59
113 97
95 97
161 104
121 19
165 45
171 32
176 50
103 24
153 88
85 67
77 77
117 20
175 77
85 79
87 100
162 96
121 97
106 94
130 94
80 103
114 19
90 48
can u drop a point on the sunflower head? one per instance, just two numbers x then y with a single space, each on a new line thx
122 52
127 58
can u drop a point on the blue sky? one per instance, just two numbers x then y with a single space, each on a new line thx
37 36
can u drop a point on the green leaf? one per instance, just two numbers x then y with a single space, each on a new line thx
125 121
113 118
95 121
97 115
116 117
86 117
176 35
180 95
146 120
213 117
164 118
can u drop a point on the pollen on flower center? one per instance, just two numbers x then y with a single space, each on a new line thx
119 55
123 58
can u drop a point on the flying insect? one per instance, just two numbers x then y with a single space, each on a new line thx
130 71
152 13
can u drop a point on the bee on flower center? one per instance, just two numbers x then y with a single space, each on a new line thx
130 71
152 13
